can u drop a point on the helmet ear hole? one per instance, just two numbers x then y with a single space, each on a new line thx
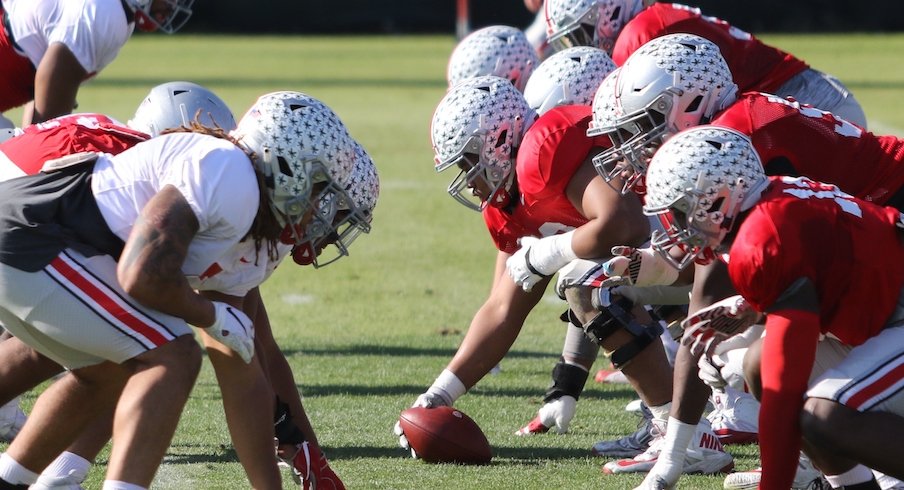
284 166
695 104
502 138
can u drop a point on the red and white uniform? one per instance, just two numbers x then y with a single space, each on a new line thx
93 30
851 252
792 139
754 65
550 153
65 135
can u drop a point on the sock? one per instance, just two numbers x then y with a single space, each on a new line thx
12 472
854 476
661 412
67 463
121 485
448 386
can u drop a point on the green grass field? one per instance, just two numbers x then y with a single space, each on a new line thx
365 336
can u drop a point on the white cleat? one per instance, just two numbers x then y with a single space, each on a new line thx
735 417
806 478
705 455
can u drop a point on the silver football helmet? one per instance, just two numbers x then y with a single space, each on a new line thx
177 104
698 182
594 23
476 127
353 217
671 83
570 76
164 15
499 50
298 142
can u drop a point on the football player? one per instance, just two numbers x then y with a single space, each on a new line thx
544 207
286 208
168 106
708 184
792 139
48 48
620 27
498 50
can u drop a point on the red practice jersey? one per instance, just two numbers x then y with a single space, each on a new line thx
848 248
552 150
67 135
792 139
754 65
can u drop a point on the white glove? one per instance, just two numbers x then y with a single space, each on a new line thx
638 267
234 329
711 371
706 328
427 400
539 258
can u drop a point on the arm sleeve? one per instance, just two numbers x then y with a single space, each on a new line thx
789 350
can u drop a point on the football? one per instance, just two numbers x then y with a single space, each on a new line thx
445 435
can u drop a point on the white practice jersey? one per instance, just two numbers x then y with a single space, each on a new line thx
218 182
93 30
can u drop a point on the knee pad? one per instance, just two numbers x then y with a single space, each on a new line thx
614 317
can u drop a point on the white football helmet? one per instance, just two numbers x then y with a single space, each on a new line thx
354 215
476 127
298 142
570 76
177 104
594 23
164 15
7 133
503 51
698 182
671 83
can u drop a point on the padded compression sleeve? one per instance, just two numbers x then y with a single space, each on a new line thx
789 350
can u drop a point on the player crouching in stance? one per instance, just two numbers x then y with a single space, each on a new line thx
838 399
130 257
534 183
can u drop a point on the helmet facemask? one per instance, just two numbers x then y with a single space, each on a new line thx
477 173
635 139
698 222
167 16
580 32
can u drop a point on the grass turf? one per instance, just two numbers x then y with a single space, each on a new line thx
367 335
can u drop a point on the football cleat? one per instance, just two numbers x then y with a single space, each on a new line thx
12 418
72 481
735 418
630 445
312 471
806 478
556 413
705 455
612 376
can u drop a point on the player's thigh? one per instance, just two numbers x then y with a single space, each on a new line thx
74 312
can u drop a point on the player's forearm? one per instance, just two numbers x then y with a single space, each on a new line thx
250 424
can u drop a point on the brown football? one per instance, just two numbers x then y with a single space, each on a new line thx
445 435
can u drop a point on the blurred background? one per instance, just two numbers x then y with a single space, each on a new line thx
439 16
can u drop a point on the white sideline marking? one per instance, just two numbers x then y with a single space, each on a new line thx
297 299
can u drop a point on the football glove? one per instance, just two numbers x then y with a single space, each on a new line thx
539 258
707 327
234 329
426 400
311 470
711 371
631 266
